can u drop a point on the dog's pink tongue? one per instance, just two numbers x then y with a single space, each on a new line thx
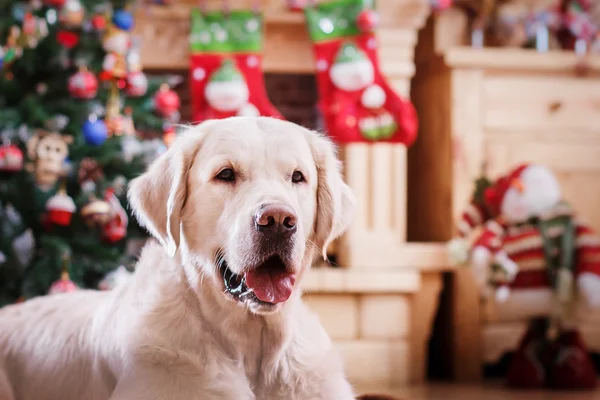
271 286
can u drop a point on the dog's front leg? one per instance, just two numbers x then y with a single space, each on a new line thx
160 383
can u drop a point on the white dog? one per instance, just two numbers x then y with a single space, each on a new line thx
239 205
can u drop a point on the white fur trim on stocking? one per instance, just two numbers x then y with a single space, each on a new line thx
589 285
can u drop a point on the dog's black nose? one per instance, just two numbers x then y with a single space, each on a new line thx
275 220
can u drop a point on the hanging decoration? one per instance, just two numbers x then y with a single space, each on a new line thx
95 131
226 75
71 14
11 158
64 284
60 208
356 101
47 152
115 228
83 84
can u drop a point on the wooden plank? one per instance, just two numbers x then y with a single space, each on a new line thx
501 338
329 280
357 167
568 103
424 306
515 60
382 186
399 194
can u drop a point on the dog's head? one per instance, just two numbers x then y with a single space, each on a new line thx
245 201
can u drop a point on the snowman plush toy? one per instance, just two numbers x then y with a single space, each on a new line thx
227 93
542 263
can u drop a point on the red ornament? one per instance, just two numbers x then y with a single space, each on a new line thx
296 5
116 228
11 159
60 209
83 85
98 22
63 285
440 5
367 20
55 3
137 84
166 102
67 39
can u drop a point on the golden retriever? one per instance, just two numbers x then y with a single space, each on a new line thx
214 311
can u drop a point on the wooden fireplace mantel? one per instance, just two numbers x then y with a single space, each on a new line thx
287 48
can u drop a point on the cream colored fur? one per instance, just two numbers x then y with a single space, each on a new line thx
171 333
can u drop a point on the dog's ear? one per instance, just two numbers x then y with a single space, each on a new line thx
157 197
335 201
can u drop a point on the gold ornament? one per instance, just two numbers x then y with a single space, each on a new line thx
96 213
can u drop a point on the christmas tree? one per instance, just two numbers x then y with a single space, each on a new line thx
78 120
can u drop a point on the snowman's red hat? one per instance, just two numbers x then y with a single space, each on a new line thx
494 195
486 205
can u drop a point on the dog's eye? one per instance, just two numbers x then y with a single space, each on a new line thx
226 175
297 177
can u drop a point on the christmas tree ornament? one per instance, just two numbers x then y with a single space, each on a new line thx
55 3
68 40
137 84
94 131
580 26
33 30
71 14
60 208
116 43
64 284
96 213
119 185
47 152
98 22
11 51
166 101
115 228
123 20
297 5
533 247
11 159
356 101
83 84
89 170
367 20
115 278
226 74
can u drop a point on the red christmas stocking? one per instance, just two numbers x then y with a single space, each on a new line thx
225 66
357 103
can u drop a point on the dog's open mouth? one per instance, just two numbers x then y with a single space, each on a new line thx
270 282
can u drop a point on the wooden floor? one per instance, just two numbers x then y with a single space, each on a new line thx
479 392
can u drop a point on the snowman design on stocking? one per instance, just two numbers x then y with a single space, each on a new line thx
352 73
227 93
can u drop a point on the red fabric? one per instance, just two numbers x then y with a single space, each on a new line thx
573 367
342 110
201 68
251 66
526 368
525 247
494 194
